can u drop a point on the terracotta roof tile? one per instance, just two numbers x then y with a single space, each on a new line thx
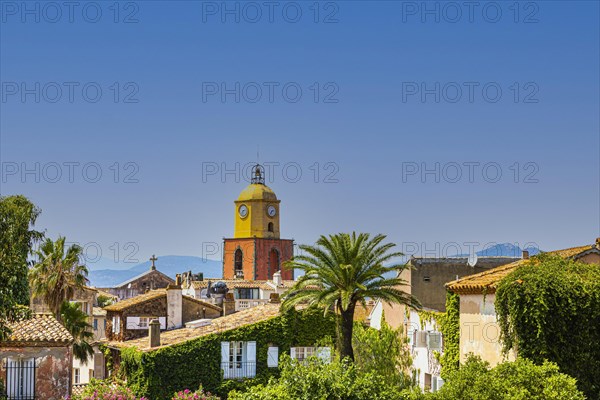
152 295
241 283
488 280
229 322
39 329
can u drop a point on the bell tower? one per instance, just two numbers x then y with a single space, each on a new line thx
256 250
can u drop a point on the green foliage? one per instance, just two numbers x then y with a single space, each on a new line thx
449 325
76 323
343 270
158 374
106 390
549 309
384 353
519 380
17 238
57 273
104 301
315 379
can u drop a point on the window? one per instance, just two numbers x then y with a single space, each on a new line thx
302 353
238 263
143 322
426 278
91 373
274 260
95 324
76 376
247 293
20 378
270 227
273 357
105 324
116 324
238 360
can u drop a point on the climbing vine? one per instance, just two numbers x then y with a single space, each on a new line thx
550 309
449 323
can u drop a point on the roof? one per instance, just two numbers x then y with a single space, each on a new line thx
135 278
106 294
257 191
229 322
40 329
488 280
149 296
98 312
240 283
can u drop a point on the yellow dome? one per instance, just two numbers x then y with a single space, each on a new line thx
257 191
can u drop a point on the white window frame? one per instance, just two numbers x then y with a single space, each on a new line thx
238 359
76 376
302 353
144 322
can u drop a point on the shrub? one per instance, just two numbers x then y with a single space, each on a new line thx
197 395
519 380
314 379
106 390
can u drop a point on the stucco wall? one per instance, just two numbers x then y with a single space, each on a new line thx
479 330
53 374
193 311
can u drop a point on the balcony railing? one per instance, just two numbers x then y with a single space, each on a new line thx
238 370
244 304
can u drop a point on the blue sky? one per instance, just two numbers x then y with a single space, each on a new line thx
379 104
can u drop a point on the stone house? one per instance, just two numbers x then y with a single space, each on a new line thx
129 319
149 280
479 326
36 359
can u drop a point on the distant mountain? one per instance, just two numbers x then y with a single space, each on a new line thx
169 265
503 250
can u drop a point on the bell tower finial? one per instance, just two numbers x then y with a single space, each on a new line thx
258 174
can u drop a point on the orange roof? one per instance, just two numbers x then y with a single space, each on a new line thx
152 295
241 283
488 280
39 330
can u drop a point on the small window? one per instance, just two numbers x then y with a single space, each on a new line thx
302 353
239 263
116 324
143 322
270 227
20 378
95 324
76 376
426 279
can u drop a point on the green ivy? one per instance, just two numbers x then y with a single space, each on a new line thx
449 323
158 374
549 309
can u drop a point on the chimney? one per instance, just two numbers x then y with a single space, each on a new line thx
174 306
154 333
228 304
277 279
525 255
178 279
274 298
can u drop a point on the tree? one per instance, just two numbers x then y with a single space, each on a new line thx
383 352
57 273
76 322
519 380
549 309
17 218
343 270
104 301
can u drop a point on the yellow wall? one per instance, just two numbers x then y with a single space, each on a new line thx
256 223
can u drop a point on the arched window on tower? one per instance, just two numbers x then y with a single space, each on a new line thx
274 260
238 263
270 227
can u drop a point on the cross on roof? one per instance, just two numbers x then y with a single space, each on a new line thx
153 258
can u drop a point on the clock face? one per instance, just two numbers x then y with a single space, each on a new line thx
243 210
271 210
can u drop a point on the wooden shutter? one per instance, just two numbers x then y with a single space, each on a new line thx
273 357
133 323
293 353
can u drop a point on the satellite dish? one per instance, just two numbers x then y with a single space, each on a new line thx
472 260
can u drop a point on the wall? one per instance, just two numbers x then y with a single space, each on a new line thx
149 281
193 311
432 293
53 375
479 330
152 308
256 263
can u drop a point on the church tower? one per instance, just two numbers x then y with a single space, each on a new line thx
256 250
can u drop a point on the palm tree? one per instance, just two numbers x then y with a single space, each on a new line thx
343 270
57 274
76 322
